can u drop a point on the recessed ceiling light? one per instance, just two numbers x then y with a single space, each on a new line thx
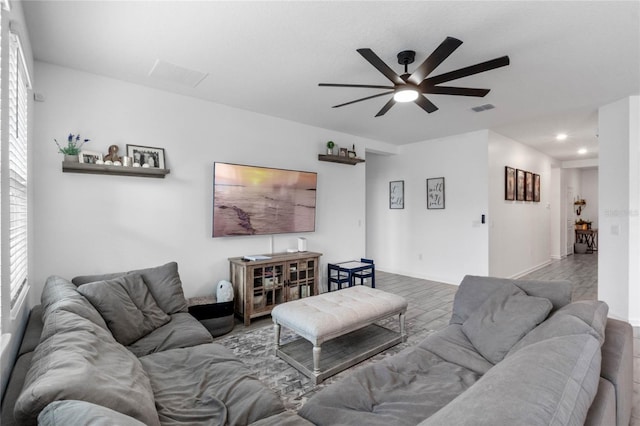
582 151
561 136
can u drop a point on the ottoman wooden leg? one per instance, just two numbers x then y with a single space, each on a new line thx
276 332
403 332
316 359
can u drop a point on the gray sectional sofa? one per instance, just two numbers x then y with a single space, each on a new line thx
515 353
122 349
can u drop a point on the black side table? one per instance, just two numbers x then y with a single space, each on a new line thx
218 318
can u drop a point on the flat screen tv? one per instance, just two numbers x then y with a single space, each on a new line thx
251 200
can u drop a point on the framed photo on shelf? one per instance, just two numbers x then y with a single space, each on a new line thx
509 183
89 157
153 157
528 182
536 188
520 185
396 194
343 152
435 193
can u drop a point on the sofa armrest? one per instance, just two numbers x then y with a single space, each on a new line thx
617 366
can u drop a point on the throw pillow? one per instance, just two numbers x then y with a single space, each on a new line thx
127 306
69 412
502 320
163 281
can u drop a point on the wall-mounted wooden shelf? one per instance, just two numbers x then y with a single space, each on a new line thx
101 169
339 159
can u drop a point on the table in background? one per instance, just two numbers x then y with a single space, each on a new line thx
347 272
588 237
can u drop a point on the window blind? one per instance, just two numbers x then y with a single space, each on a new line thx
17 163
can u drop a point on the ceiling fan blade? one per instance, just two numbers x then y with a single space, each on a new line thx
442 52
467 71
458 91
425 104
360 100
354 85
386 107
380 65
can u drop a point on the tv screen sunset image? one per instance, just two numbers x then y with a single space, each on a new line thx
250 200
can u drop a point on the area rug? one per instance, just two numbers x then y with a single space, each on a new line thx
256 349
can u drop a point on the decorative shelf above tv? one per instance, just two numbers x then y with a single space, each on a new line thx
339 159
101 169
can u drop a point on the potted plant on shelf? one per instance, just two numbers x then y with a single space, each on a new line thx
330 146
72 149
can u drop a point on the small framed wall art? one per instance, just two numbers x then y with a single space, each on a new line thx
509 183
146 156
520 185
396 194
89 157
435 193
536 188
528 192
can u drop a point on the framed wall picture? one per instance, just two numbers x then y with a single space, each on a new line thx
152 157
528 183
509 183
536 188
396 194
520 185
89 157
435 193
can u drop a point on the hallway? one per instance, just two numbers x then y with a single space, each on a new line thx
580 269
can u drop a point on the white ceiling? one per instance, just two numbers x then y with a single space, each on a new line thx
567 59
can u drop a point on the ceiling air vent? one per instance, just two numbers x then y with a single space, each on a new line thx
483 107
176 74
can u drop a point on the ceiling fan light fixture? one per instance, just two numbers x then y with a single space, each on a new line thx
405 94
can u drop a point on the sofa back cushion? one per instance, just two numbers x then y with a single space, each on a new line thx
59 293
127 306
163 281
584 317
550 383
474 290
502 320
80 360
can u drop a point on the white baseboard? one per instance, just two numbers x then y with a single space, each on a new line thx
530 270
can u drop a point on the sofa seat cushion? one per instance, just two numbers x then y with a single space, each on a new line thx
82 361
400 390
503 319
181 332
70 412
452 345
127 306
163 281
207 384
550 383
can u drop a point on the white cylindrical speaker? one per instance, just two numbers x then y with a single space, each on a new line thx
302 244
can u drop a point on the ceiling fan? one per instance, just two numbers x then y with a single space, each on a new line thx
412 87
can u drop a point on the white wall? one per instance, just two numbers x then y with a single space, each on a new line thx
88 224
619 208
571 190
558 220
519 231
589 192
441 245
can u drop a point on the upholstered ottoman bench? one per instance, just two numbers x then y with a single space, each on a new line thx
345 320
